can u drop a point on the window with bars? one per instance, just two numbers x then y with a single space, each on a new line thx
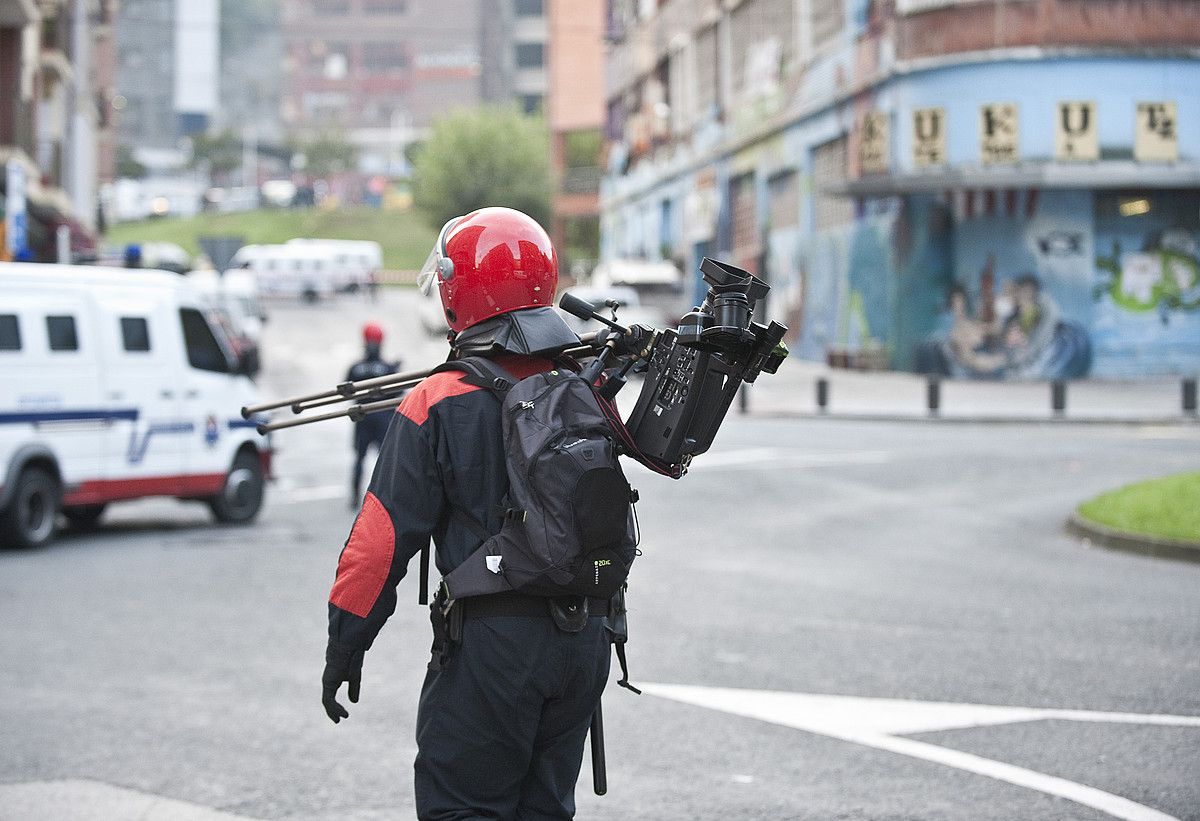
829 168
828 19
761 37
741 207
385 6
384 58
784 200
530 55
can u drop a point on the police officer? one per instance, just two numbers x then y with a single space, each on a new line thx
506 703
371 429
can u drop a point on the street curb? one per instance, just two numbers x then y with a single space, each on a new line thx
1107 537
1155 421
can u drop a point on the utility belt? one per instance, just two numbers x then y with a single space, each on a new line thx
569 613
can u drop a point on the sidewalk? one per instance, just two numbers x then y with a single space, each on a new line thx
898 395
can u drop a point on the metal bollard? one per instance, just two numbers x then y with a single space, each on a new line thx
1058 397
933 395
1189 396
823 395
744 399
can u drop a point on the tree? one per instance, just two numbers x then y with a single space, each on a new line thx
481 157
326 153
222 152
127 166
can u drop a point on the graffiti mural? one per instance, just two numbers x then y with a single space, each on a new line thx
1019 305
1147 288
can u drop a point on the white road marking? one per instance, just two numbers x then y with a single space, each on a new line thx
84 800
786 457
878 723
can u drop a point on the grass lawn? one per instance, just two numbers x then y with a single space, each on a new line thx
405 236
1168 508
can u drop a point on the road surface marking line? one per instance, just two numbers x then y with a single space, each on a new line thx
879 723
1106 802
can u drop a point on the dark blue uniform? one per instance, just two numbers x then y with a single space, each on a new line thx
504 715
372 428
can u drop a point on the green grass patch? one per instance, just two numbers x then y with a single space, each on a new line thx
405 236
1168 508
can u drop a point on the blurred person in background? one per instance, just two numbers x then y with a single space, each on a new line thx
372 428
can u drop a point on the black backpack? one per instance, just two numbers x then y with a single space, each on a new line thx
569 527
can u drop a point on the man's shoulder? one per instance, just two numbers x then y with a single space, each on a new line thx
435 388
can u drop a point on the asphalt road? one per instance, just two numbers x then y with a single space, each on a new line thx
165 668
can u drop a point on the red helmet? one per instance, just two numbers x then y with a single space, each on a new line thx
372 333
491 262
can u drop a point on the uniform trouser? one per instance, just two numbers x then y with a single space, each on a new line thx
501 727
370 431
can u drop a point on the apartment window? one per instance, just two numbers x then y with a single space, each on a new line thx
135 334
784 195
761 41
385 6
829 168
707 72
60 330
530 55
10 333
331 8
203 351
827 23
384 58
531 103
528 8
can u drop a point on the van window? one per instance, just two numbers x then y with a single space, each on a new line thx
10 333
135 333
60 330
203 351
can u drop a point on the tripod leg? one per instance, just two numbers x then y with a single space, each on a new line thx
599 770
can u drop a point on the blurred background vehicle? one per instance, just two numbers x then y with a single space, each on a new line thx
119 386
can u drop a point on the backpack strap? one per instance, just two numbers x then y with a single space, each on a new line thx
480 372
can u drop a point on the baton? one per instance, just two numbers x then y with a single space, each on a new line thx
599 770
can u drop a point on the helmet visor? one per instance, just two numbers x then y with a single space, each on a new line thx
429 270
428 274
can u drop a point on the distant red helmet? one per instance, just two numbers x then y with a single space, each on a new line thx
372 333
491 262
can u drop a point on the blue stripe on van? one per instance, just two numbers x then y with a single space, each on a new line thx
33 417
234 424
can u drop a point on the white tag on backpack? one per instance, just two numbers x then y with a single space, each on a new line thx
495 564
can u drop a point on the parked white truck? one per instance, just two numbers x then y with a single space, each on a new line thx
114 385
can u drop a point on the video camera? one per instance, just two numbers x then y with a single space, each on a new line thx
692 372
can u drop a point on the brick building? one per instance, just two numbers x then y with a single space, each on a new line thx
987 188
381 70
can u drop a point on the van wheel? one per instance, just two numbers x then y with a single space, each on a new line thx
84 517
310 295
30 517
242 495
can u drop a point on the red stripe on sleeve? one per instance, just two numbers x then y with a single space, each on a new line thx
367 560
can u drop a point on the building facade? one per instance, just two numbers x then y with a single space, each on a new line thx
382 70
574 108
977 188
56 124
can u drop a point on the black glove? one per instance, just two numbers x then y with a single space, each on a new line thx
341 664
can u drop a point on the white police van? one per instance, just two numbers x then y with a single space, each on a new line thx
115 386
